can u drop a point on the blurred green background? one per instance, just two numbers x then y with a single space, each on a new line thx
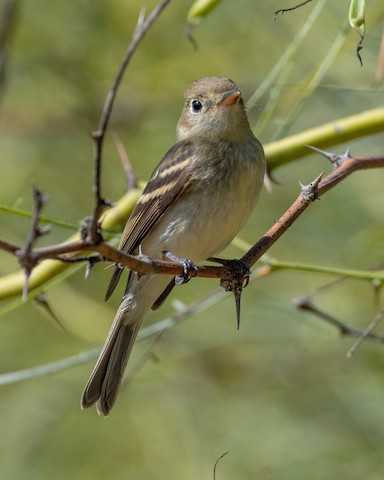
280 394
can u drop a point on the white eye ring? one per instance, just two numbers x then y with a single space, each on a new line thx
196 106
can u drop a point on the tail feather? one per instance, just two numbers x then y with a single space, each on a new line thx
114 281
103 385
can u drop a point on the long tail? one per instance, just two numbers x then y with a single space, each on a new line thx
103 385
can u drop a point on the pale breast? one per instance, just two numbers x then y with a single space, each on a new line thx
211 213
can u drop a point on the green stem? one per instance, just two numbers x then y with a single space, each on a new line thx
315 81
290 51
42 218
284 151
345 272
12 285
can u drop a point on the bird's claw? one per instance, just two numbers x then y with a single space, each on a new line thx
189 268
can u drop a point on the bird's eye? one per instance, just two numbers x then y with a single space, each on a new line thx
196 106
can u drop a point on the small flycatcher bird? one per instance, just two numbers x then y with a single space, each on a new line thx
196 201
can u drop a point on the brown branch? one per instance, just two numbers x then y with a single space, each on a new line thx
132 180
344 329
309 193
147 265
8 247
25 254
142 27
92 241
367 333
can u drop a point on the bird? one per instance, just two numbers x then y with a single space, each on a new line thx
196 201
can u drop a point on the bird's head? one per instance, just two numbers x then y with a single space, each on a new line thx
213 108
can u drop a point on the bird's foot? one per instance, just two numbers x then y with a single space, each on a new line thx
189 268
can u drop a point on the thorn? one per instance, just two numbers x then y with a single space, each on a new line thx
237 292
39 197
235 286
105 202
303 303
132 181
335 158
309 192
88 268
240 279
96 135
346 154
24 296
141 18
44 230
85 228
42 301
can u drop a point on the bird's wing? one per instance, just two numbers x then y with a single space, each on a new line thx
167 183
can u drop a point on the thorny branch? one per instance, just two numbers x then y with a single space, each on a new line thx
25 254
142 26
145 265
233 274
347 165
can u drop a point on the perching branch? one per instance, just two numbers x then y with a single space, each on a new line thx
91 239
146 265
309 193
278 153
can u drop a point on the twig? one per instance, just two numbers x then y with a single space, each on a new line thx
306 305
40 370
217 461
142 27
358 50
146 265
367 333
84 357
318 188
8 247
25 254
132 181
42 301
289 9
91 236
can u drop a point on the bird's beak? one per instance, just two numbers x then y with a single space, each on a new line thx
230 98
